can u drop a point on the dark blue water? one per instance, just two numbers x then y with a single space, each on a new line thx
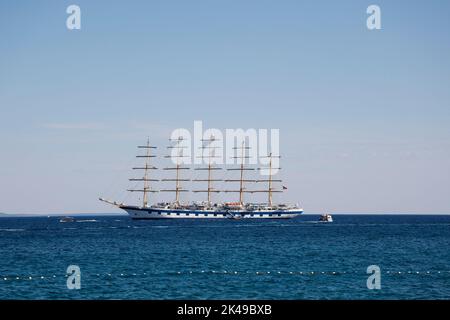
292 259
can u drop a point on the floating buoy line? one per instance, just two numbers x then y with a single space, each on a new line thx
218 272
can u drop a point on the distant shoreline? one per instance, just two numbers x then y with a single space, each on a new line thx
36 215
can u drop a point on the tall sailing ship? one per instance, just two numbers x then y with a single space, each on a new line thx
207 209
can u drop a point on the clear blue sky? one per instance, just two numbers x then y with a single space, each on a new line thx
364 115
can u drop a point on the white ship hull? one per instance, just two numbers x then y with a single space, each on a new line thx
152 213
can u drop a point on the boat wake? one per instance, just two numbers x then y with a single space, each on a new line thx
12 230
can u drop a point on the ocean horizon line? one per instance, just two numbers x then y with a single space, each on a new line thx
105 214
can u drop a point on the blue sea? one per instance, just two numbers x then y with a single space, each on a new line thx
231 259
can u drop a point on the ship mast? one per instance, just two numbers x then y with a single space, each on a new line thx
269 201
242 168
177 168
241 182
270 190
146 189
210 168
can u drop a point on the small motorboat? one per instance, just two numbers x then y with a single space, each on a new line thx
67 219
326 217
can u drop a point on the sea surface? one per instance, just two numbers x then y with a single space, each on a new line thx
229 259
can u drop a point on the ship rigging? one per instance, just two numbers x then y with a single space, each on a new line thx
207 208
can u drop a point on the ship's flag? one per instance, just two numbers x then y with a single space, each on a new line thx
284 188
